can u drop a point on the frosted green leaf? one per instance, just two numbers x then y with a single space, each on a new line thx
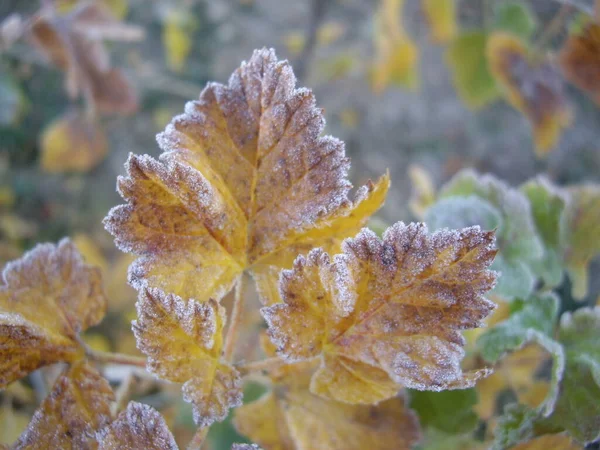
462 212
515 425
532 321
581 235
470 72
547 206
448 411
515 18
518 242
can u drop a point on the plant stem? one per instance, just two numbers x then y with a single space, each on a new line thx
198 439
259 366
115 358
235 321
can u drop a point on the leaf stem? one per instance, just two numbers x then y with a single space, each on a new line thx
198 439
260 366
115 358
235 320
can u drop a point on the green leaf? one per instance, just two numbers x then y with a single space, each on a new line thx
547 206
466 58
581 235
461 212
448 411
514 426
531 321
578 406
12 102
517 239
515 18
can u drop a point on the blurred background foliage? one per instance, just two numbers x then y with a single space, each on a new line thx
406 84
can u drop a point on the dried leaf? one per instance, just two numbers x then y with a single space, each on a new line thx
245 183
72 142
47 297
386 313
77 407
581 236
72 42
183 342
396 55
441 16
138 427
290 417
580 61
534 89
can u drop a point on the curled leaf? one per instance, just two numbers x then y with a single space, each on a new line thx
69 417
533 88
291 417
47 297
138 427
245 182
580 61
183 342
386 313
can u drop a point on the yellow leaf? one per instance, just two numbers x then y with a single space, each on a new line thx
72 143
178 29
441 16
560 441
69 417
290 417
327 34
580 60
47 298
138 427
90 251
396 55
394 306
12 423
183 342
533 88
245 182
423 190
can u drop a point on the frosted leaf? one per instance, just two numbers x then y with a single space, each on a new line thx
245 182
183 342
245 447
47 297
138 427
291 417
69 417
413 293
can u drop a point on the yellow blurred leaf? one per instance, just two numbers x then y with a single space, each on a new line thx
290 417
138 427
183 341
245 182
69 417
441 16
350 118
327 34
423 190
386 313
47 297
12 424
396 56
533 88
90 251
178 29
580 60
72 143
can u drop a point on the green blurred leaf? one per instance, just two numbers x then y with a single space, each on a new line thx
466 58
531 321
448 411
516 278
581 235
514 426
461 212
547 206
12 101
515 18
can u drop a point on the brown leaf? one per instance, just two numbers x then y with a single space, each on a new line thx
580 60
245 182
77 407
138 427
183 342
535 88
386 313
47 297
